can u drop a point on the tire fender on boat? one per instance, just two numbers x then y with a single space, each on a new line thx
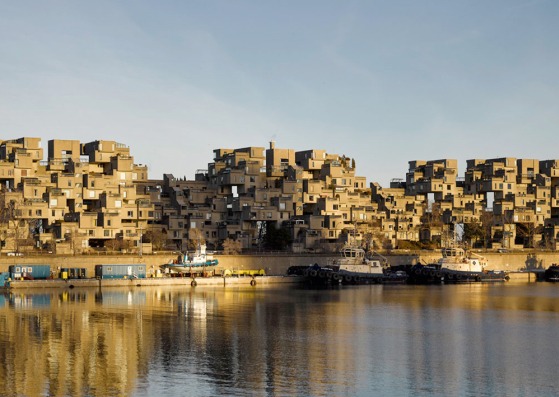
253 282
193 283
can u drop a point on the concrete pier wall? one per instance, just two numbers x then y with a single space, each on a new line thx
277 264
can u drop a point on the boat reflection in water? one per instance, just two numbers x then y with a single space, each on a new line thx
390 340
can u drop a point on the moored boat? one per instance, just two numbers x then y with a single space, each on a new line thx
198 262
459 265
352 267
551 274
425 274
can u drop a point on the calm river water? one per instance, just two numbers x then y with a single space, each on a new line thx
450 340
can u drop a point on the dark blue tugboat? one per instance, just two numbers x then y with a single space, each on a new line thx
425 274
551 274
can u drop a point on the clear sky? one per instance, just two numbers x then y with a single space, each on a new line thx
384 82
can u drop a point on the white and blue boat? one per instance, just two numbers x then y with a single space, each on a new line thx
197 262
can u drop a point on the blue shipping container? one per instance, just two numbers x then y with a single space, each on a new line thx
30 272
120 271
4 276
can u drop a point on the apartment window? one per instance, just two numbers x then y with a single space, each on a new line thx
39 212
106 233
269 215
130 213
53 213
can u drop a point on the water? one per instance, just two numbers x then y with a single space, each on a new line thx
450 340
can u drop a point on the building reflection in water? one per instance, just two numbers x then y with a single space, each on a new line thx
280 341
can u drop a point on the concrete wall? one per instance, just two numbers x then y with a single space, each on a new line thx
276 264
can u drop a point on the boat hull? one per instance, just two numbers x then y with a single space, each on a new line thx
551 274
452 276
425 274
324 276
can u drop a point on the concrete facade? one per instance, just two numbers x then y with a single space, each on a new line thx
81 197
92 196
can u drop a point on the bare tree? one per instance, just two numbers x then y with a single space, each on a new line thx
487 220
157 237
232 247
196 238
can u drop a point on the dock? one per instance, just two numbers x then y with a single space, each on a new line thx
155 281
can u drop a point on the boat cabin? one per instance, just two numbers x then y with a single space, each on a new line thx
452 252
353 252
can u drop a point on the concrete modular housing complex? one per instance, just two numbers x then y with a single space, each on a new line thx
85 195
82 196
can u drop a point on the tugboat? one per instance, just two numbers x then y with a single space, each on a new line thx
457 265
551 274
353 267
200 262
425 274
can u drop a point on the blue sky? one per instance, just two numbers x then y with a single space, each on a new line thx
384 82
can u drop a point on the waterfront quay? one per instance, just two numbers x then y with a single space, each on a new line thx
156 281
522 265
